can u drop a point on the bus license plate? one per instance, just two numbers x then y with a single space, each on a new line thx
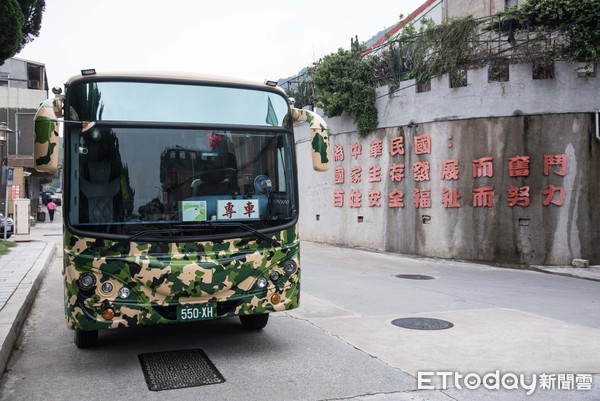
191 313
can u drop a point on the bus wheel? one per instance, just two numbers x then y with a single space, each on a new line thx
254 322
86 339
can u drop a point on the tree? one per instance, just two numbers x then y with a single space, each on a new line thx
21 22
11 35
32 12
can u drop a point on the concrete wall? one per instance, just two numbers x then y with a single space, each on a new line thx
476 8
545 120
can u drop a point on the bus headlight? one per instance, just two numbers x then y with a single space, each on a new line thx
290 267
261 282
87 281
124 293
107 287
274 276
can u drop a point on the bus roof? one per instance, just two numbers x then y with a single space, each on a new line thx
178 76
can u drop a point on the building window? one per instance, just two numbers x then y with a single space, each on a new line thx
424 86
458 78
510 4
35 76
543 69
498 70
586 70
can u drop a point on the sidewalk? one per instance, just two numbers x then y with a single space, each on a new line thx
22 272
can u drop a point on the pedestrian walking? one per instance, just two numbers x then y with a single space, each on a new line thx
51 209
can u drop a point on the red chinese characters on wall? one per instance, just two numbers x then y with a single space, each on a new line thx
483 196
356 150
558 162
396 199
518 196
355 174
374 197
376 148
518 167
338 153
397 146
422 144
449 169
555 194
338 175
397 172
450 198
483 167
355 198
421 171
374 174
422 198
338 198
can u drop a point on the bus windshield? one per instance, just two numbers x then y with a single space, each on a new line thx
148 167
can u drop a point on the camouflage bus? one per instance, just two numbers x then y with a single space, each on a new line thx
180 198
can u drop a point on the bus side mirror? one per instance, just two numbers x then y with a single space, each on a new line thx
46 126
319 137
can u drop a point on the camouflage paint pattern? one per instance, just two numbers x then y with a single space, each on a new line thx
319 137
162 275
46 128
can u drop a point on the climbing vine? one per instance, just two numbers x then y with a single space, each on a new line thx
572 26
432 51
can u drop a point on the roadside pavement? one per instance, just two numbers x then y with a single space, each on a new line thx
22 271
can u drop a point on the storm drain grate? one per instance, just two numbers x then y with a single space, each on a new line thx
178 369
415 276
422 323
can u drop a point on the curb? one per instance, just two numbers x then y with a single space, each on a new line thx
19 304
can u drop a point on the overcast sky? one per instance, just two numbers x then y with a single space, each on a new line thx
258 39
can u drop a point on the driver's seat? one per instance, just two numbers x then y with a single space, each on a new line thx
100 192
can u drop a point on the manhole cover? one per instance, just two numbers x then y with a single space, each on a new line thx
422 323
415 277
178 369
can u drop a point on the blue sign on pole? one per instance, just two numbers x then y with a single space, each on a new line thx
10 174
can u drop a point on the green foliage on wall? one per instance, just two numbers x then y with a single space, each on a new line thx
538 31
344 82
575 26
422 55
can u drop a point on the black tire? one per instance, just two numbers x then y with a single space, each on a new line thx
86 339
254 322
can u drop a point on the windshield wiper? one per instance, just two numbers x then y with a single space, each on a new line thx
160 231
248 228
186 228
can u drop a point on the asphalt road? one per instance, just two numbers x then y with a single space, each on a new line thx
340 344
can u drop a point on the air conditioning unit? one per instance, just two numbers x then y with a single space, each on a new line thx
33 84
